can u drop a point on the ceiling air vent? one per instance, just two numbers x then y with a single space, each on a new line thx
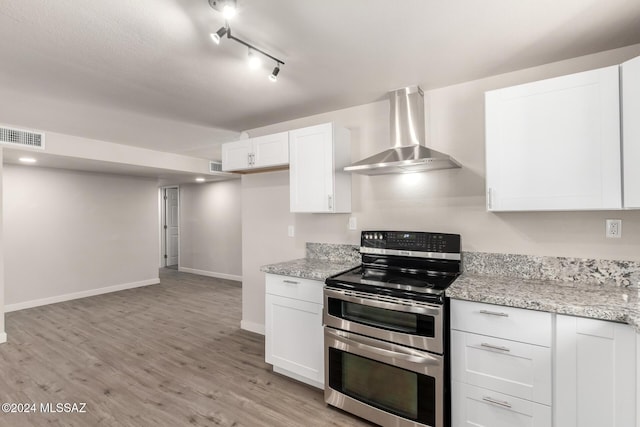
215 166
21 137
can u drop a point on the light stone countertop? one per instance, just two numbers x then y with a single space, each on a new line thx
309 268
618 304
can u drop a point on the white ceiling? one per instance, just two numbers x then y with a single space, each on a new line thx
145 72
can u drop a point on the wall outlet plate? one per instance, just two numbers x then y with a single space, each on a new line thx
613 228
291 231
353 223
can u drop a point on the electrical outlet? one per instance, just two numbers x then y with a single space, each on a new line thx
291 231
614 228
353 223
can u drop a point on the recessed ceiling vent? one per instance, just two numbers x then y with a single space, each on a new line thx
23 138
215 166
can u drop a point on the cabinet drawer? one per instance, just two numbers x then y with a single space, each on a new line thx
533 327
294 287
478 407
513 368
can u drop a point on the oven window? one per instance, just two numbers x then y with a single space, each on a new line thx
399 321
392 389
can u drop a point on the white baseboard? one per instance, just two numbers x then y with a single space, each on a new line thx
252 327
76 295
211 274
3 337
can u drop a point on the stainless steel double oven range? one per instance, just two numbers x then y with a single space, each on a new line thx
386 329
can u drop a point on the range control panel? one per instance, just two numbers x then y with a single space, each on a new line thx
419 241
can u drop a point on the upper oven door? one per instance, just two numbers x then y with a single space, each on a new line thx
417 325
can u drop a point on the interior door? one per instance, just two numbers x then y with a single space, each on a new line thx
171 226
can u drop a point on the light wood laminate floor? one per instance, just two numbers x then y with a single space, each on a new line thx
163 355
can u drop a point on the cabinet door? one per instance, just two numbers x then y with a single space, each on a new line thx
631 132
555 144
478 407
235 155
294 339
271 150
311 169
595 373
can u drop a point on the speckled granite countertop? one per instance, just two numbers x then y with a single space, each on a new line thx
619 304
323 260
308 268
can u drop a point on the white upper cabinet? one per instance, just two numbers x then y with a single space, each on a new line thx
555 144
317 180
630 72
256 153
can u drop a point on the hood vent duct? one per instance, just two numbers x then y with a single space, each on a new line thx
408 152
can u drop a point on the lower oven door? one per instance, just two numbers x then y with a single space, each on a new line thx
418 324
388 384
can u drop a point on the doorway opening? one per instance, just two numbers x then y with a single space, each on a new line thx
170 227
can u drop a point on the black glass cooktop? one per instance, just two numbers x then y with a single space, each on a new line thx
394 283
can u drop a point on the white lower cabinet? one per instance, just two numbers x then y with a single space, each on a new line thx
512 367
596 378
294 339
500 366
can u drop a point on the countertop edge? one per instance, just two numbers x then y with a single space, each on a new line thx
600 303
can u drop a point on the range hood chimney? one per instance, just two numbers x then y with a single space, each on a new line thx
408 152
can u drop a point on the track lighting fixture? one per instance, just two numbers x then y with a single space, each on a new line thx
274 74
218 35
227 7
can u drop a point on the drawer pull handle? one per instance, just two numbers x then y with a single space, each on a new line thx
494 347
291 282
496 402
494 313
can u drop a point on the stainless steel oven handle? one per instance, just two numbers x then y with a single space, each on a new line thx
414 356
433 311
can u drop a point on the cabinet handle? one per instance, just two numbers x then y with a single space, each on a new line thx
496 402
489 201
291 282
330 199
494 313
494 347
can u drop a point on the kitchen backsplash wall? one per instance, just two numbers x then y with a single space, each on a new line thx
333 252
577 270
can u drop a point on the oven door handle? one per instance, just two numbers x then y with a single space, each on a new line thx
363 343
432 310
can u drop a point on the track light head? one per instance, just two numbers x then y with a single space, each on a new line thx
218 35
229 10
226 7
274 74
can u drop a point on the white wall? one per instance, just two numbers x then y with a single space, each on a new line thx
211 230
71 234
443 201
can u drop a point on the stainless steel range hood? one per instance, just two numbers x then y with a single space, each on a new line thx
408 152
